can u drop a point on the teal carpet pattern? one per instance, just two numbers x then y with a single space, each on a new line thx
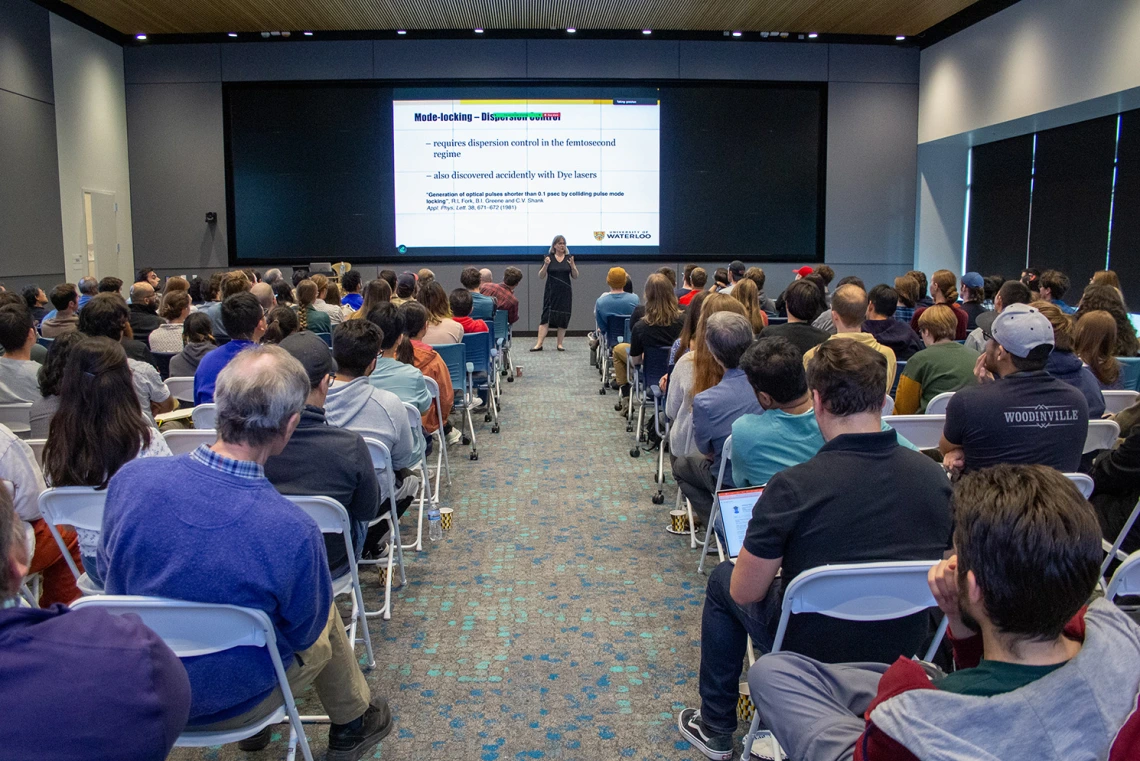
557 619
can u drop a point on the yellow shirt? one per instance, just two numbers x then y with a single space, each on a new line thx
869 340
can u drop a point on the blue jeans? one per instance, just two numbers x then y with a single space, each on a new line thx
725 628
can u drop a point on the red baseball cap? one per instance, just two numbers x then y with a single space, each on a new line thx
803 271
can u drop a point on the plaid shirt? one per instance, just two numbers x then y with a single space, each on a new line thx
904 314
504 299
239 468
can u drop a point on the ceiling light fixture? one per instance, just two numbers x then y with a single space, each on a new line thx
478 31
307 34
647 31
812 35
571 30
233 34
900 37
140 36
401 31
737 34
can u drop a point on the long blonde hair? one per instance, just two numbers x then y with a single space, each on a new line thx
707 372
661 308
746 292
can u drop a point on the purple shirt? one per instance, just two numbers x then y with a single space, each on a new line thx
206 376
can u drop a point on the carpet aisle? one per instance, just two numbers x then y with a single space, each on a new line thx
557 619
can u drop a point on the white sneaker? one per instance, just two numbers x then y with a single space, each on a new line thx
454 437
763 747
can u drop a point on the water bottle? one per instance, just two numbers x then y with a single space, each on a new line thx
435 527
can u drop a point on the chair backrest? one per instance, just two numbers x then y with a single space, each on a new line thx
1102 435
725 457
1083 483
1118 401
888 405
382 464
433 387
205 416
330 515
37 446
1130 369
182 388
1126 579
501 325
326 337
455 357
44 342
615 329
924 431
78 506
184 441
858 592
937 405
478 351
656 363
18 417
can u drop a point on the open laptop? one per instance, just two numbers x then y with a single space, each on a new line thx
735 512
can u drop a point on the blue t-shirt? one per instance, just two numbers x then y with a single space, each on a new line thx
482 307
206 376
613 304
763 445
354 300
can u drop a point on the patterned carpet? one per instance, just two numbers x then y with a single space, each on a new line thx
557 619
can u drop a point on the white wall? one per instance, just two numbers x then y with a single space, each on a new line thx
91 136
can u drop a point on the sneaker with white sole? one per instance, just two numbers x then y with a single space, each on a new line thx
454 437
763 747
715 746
409 488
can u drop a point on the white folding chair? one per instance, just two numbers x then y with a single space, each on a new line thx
17 416
80 507
441 455
888 405
855 592
924 431
725 456
937 405
204 416
184 441
1118 401
1112 550
382 465
1083 483
1102 435
332 518
1126 579
37 446
425 493
181 388
194 629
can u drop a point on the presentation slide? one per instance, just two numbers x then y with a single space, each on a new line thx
507 174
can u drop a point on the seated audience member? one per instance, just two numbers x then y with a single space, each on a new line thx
245 325
658 328
18 466
37 302
800 273
390 374
88 650
234 525
460 303
351 282
272 277
1052 287
1018 413
1038 664
686 285
427 361
281 322
882 302
720 280
727 336
697 280
992 284
375 292
482 306
973 298
615 302
442 327
749 297
19 380
1094 338
283 294
923 299
1116 475
197 340
88 288
1011 292
756 275
264 295
144 311
504 293
848 311
735 275
325 459
106 315
227 284
944 365
389 277
1108 299
110 284
824 321
944 290
150 277
803 301
309 317
424 275
405 288
300 274
167 337
98 427
50 378
844 505
670 275
690 315
333 310
906 287
65 299
1064 364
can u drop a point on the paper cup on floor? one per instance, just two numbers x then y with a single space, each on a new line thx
445 514
745 708
679 521
382 574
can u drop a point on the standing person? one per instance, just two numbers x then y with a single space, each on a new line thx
558 269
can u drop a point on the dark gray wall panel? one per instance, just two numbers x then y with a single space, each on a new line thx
177 174
252 62
25 50
602 59
172 64
873 63
31 225
753 60
445 59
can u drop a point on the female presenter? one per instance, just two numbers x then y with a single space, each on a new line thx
559 295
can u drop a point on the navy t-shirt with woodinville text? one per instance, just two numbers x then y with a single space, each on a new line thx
1026 418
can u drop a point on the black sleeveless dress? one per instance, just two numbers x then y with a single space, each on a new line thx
558 297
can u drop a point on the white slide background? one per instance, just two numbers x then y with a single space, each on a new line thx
528 207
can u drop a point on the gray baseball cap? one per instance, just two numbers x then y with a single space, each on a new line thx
313 354
1020 329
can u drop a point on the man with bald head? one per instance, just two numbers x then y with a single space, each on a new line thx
848 311
485 276
144 311
263 292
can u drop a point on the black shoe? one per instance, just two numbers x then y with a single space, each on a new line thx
256 742
715 746
537 348
349 742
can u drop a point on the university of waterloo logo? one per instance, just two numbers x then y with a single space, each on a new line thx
599 235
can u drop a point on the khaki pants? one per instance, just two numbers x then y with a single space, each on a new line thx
621 353
330 666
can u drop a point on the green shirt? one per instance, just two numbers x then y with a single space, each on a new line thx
940 368
991 678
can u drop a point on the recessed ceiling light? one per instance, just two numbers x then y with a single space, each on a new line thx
900 37
233 34
812 35
783 35
140 36
478 31
647 31
401 31
308 34
571 30
737 34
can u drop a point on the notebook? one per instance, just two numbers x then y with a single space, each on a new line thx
735 512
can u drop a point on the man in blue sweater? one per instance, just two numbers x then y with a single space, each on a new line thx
209 527
245 325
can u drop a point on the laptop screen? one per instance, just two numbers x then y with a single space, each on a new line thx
736 510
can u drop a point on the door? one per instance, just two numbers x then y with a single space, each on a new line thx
99 211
